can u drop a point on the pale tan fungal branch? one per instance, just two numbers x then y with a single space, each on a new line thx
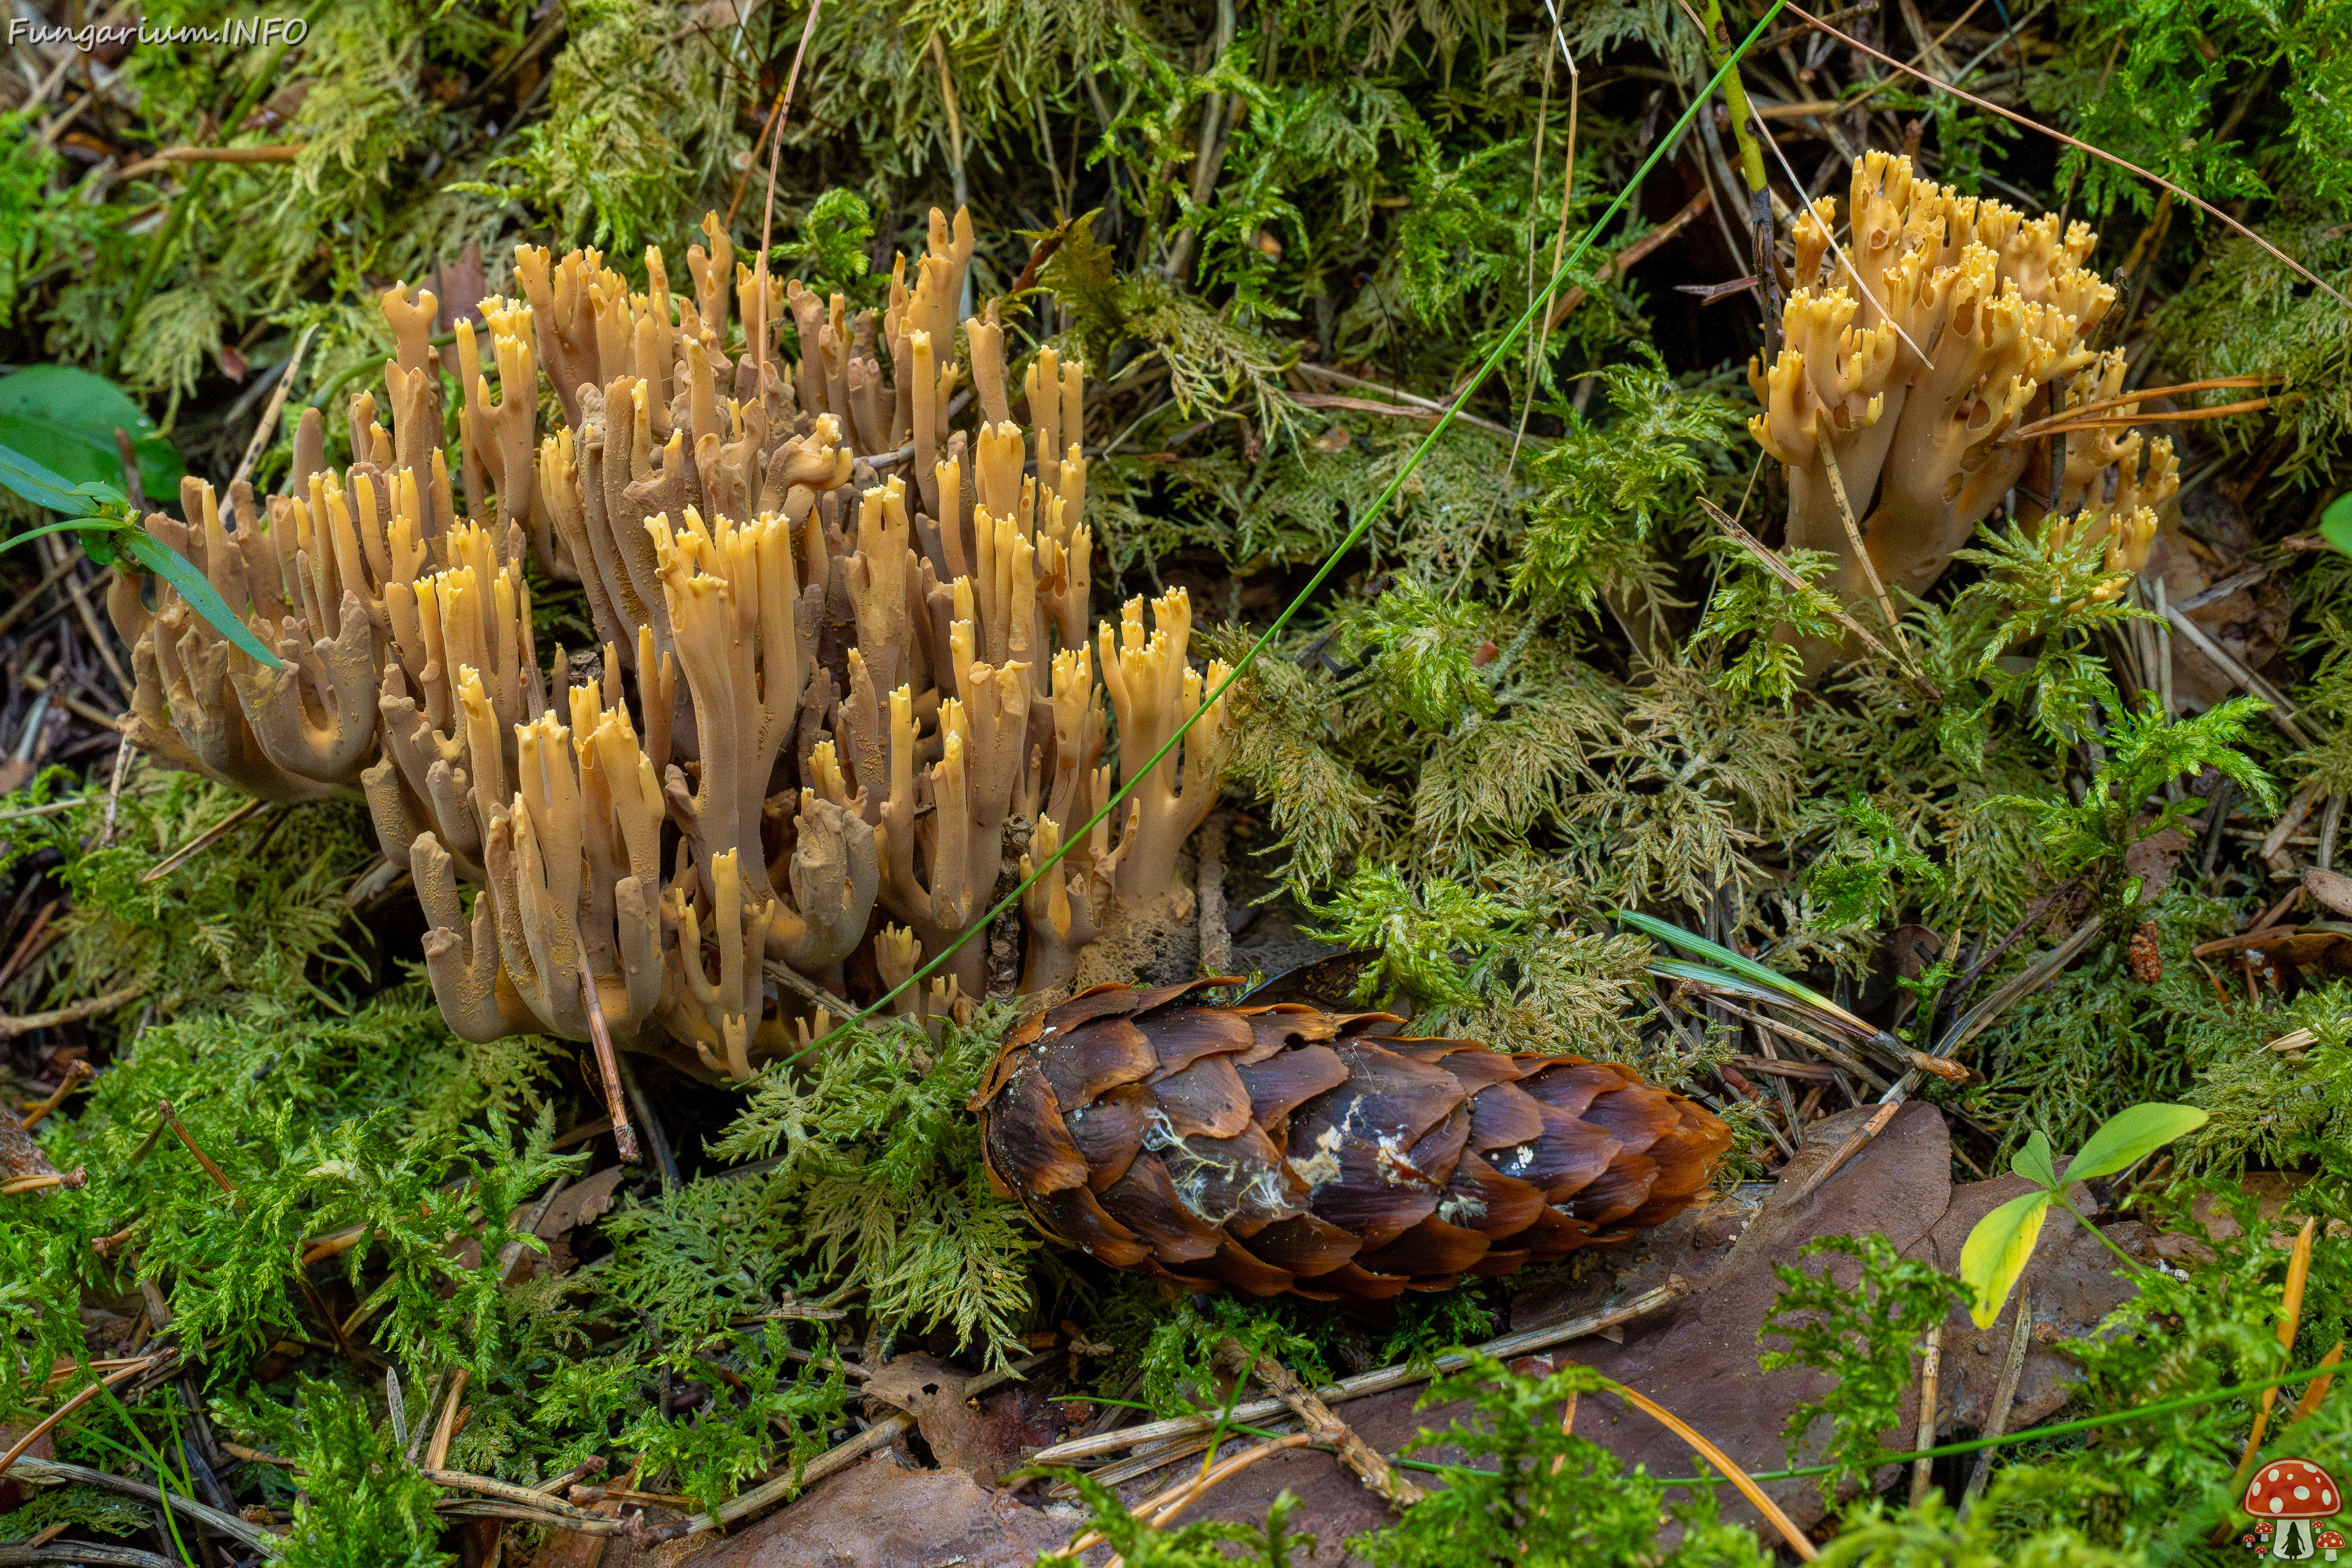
848 683
1914 369
2128 534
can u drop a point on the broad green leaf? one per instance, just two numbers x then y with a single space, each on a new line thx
2032 1161
203 599
66 419
2335 524
38 483
1674 935
2130 1133
1997 1251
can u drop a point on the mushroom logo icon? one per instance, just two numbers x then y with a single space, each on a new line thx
2294 1494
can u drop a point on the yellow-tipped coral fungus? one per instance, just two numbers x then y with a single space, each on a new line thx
837 703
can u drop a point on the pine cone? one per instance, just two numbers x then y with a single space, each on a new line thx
1285 1149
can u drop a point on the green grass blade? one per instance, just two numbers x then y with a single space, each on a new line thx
72 525
1771 995
203 597
1675 936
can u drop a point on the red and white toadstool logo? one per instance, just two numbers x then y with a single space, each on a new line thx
2289 1495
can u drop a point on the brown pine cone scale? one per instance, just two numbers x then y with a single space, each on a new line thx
1281 1148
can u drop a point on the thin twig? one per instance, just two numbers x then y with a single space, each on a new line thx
8 616
2282 712
200 843
34 681
1160 1511
533 1514
1616 266
1324 1429
1819 1046
664 1161
42 1427
171 1119
76 1073
57 1472
122 758
608 1068
2178 416
2004 1397
84 1551
24 1024
1861 550
2145 395
2317 1390
98 637
505 1491
1931 1367
262 432
1380 1382
2298 1274
436 1452
1967 1029
1192 1492
768 216
51 809
1798 1541
1340 378
511 1253
881 1435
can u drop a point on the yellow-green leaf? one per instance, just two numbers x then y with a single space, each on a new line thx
2130 1133
1997 1251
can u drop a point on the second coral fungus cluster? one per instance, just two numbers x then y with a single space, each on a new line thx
1923 360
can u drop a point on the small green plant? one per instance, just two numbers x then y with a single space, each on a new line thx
110 528
1610 487
2335 524
2142 751
1418 930
1995 1254
1857 880
832 249
1751 602
1422 654
2023 639
881 1179
1859 1330
367 1507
